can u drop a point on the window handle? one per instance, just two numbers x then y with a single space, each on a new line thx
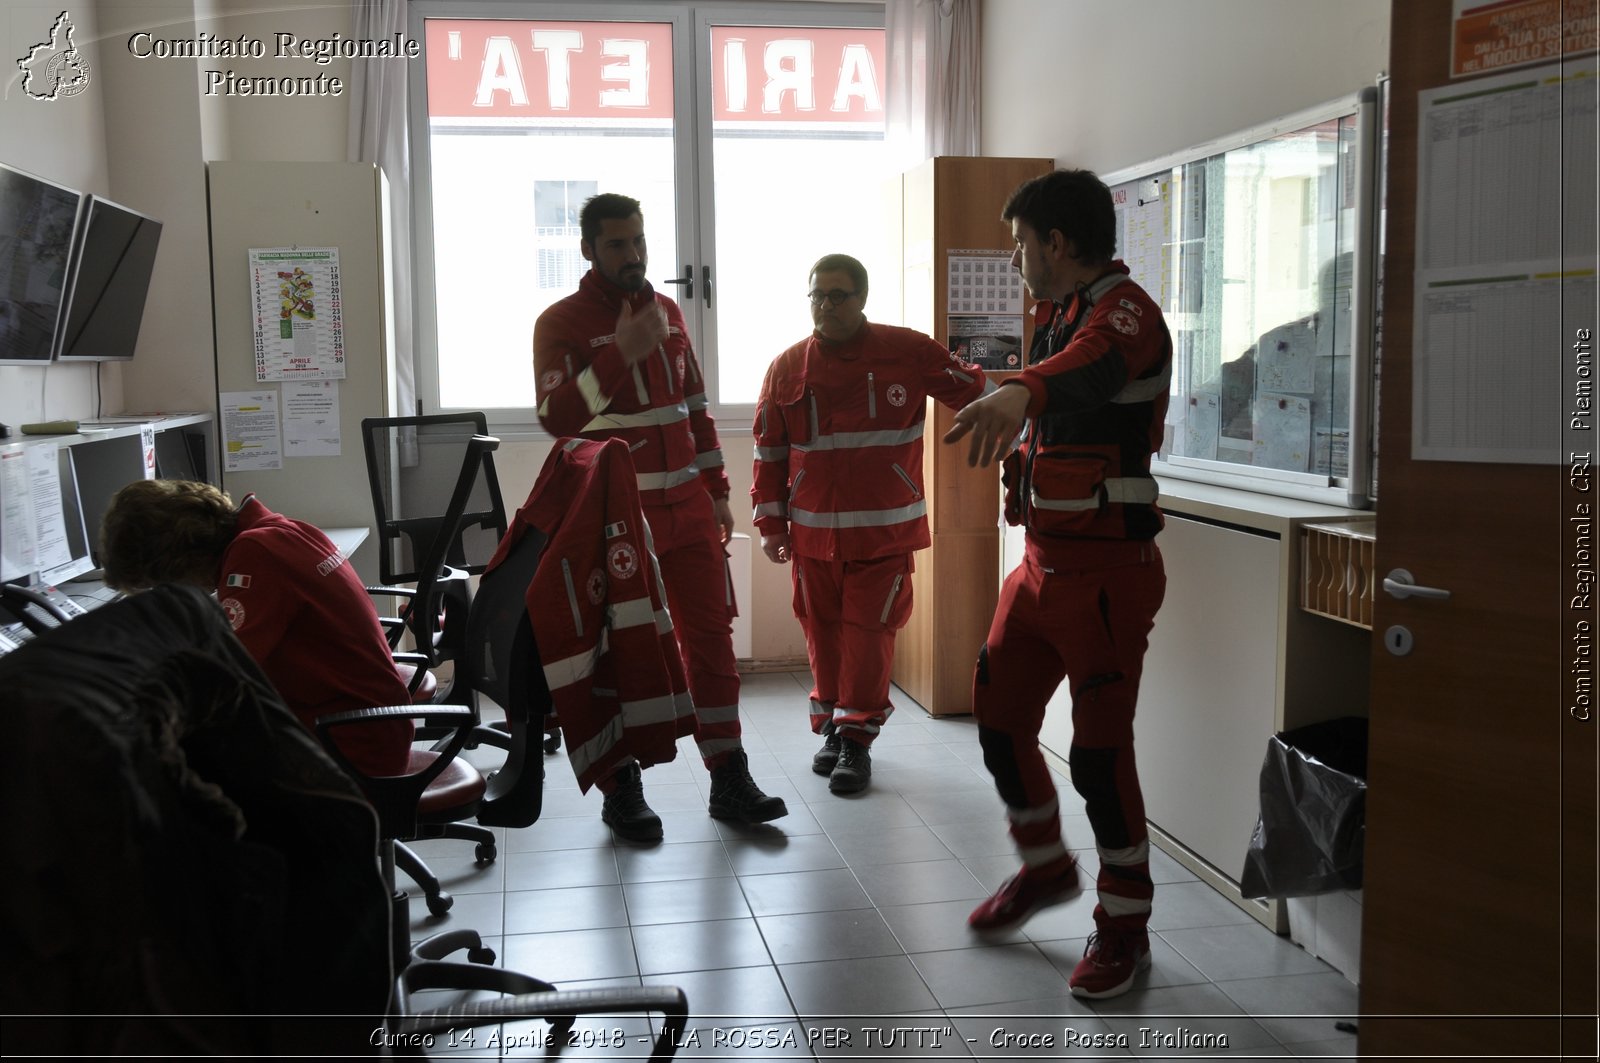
687 278
705 284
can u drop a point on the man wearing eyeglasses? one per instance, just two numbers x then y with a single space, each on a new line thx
613 360
838 491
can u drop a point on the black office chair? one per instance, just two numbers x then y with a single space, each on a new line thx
414 467
437 610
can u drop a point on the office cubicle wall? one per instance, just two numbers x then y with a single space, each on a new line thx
259 205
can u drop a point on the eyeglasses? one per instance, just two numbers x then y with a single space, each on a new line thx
833 298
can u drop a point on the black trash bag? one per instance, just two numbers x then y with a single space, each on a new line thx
1312 827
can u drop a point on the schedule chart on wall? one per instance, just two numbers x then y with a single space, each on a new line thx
983 282
1505 178
297 307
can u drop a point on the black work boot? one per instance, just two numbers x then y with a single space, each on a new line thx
826 757
624 810
853 769
735 796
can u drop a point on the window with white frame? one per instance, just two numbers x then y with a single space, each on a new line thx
752 137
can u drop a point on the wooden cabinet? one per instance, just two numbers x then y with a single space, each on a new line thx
1233 659
950 204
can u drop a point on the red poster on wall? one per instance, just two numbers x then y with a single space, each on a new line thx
1503 34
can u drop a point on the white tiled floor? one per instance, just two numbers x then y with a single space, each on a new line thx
818 935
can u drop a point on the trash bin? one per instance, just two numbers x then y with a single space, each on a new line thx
1309 836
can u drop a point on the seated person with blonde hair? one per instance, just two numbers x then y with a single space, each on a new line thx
290 595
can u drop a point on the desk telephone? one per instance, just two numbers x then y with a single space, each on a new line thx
27 611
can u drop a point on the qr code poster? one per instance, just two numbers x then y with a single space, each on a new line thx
983 282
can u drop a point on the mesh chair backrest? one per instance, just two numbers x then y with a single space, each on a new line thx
501 661
413 465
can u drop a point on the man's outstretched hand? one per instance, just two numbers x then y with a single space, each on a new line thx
993 422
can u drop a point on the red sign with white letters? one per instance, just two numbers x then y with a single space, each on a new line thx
490 68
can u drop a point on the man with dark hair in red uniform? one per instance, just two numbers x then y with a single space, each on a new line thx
613 360
838 490
291 597
1081 604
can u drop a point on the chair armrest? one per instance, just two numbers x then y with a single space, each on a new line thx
558 1006
457 719
419 664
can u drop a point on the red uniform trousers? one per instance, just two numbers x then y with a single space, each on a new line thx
850 611
694 568
1088 620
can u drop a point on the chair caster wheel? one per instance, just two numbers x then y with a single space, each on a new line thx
552 743
440 904
484 956
485 852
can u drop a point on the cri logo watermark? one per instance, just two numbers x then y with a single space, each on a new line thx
54 68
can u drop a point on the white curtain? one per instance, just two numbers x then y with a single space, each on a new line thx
379 133
931 97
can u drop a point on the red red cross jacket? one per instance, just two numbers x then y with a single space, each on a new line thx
838 434
599 612
302 612
1097 380
658 406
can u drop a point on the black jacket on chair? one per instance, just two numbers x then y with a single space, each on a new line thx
179 847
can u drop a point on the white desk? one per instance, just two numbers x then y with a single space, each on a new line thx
347 539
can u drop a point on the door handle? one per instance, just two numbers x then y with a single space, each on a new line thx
687 278
705 283
1401 584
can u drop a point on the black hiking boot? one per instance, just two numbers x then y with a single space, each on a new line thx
625 811
735 796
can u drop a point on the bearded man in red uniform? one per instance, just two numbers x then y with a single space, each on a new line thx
838 491
613 361
1081 604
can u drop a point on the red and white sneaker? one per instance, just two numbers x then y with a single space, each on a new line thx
1110 963
1023 894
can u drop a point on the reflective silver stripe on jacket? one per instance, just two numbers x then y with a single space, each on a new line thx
660 415
635 613
708 459
698 401
665 481
572 596
569 670
860 518
772 509
1148 388
772 453
1118 489
856 440
589 388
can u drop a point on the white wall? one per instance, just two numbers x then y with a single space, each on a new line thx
1108 85
141 133
62 140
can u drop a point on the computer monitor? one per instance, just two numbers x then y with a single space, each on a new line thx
116 254
47 538
38 227
73 556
